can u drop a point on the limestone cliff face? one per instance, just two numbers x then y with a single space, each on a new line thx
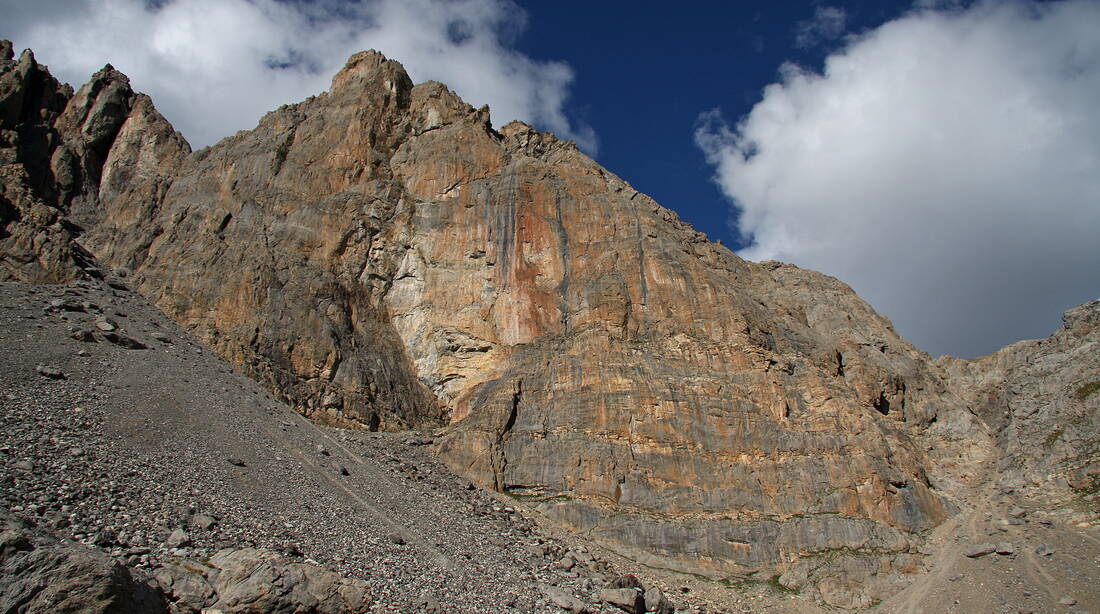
35 241
1041 399
381 256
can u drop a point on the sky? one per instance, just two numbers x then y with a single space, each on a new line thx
942 157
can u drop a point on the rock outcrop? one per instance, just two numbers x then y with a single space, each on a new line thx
35 239
249 580
42 574
380 256
1042 401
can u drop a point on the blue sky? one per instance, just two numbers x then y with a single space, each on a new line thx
942 156
645 72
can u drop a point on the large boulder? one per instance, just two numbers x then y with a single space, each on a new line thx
250 581
41 574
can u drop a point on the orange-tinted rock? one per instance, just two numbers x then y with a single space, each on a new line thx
381 257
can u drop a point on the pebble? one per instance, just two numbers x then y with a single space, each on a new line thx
50 371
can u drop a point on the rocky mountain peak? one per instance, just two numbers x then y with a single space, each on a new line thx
371 71
379 257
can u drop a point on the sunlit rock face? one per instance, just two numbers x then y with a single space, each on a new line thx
380 256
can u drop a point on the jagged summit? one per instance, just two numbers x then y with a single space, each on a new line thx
379 256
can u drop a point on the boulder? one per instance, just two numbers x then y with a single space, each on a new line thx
41 574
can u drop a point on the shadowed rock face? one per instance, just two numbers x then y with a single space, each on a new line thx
380 256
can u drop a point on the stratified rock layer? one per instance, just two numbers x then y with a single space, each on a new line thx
381 256
1041 399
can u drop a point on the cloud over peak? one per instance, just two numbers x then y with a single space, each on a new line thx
945 164
216 66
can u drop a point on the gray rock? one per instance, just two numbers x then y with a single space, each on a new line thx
795 578
626 581
41 574
978 550
124 341
232 460
1067 600
159 336
50 371
82 334
203 522
396 538
1006 548
106 324
239 581
655 601
566 563
178 539
1044 550
563 599
105 538
66 305
627 599
1017 512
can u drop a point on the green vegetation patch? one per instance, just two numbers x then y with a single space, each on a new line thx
1087 391
751 584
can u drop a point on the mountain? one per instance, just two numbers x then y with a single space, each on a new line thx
380 257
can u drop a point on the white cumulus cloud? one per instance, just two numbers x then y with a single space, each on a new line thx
827 24
945 164
216 66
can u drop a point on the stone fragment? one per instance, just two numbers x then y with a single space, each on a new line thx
160 336
124 341
83 335
563 599
235 461
50 371
66 304
626 581
203 522
795 577
1044 550
1017 512
396 539
1006 548
178 539
656 602
626 599
566 563
105 538
1067 600
978 550
106 324
244 581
